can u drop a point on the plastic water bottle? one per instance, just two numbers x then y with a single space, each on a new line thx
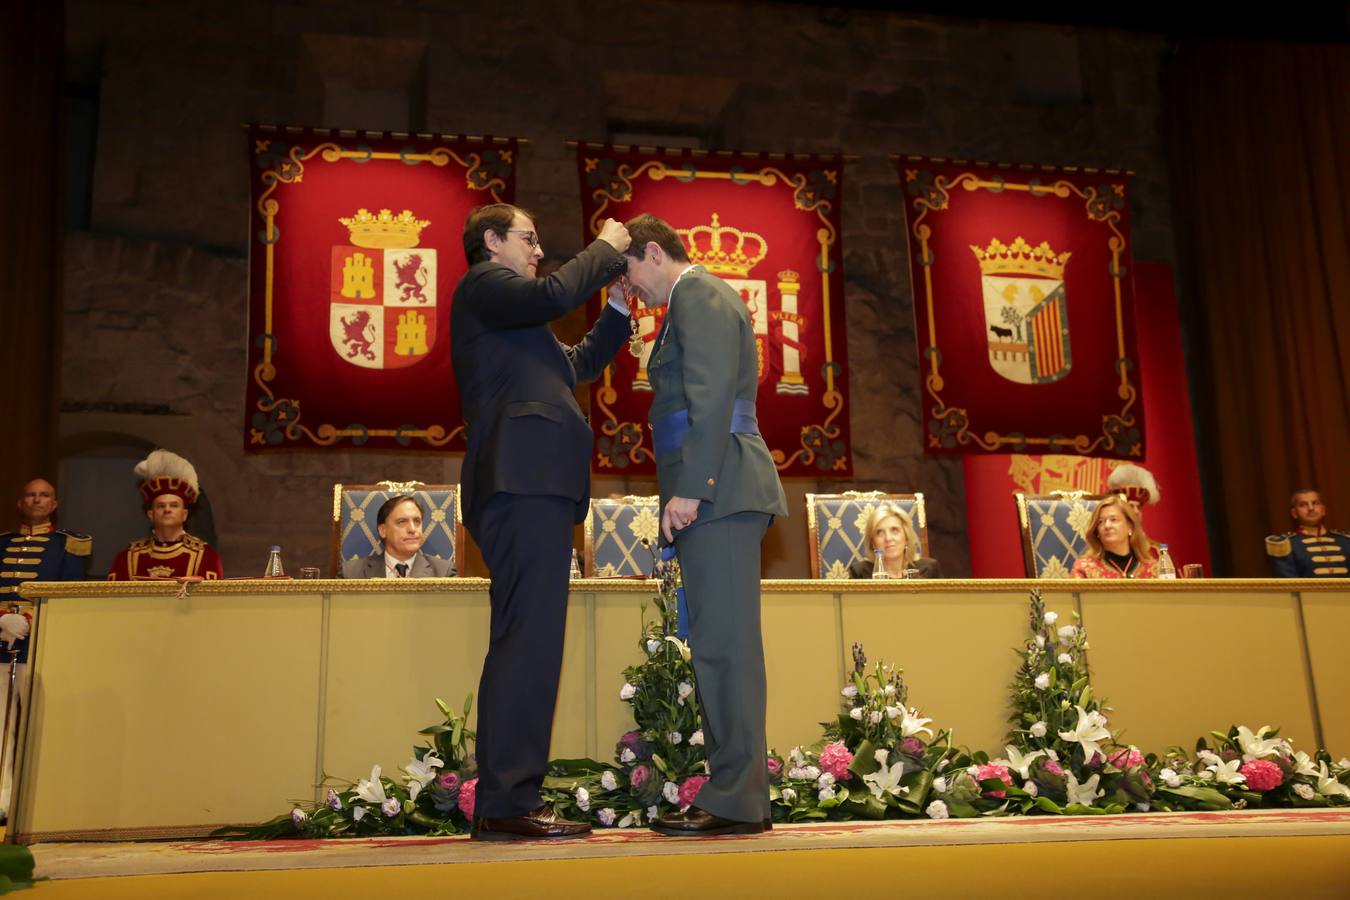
576 566
879 568
1166 568
274 569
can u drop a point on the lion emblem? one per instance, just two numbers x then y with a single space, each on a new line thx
358 332
410 278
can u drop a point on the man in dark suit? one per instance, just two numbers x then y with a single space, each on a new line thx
399 523
719 494
526 483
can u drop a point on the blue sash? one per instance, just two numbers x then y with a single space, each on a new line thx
668 432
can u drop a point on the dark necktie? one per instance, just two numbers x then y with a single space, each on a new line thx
402 569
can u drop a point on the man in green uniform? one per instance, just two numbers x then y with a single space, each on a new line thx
719 494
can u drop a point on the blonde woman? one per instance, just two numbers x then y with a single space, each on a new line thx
890 531
1117 545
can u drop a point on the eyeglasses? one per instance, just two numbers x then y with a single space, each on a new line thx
528 236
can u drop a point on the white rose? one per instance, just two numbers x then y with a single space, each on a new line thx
789 796
653 812
825 780
696 739
940 785
1170 778
874 716
606 816
796 773
1042 681
811 773
1030 788
797 756
608 781
1304 790
1067 632
653 647
1142 807
627 756
1065 658
1038 730
894 712
826 793
674 737
627 691
890 690
856 713
1051 618
671 791
882 755
583 799
937 810
849 691
684 689
972 771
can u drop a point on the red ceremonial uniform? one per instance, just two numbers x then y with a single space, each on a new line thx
148 559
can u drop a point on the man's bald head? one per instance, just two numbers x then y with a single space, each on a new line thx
37 502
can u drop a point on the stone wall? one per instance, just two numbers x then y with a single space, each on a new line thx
155 293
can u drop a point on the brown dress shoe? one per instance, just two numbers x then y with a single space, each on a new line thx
540 823
696 822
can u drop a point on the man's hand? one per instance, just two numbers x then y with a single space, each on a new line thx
680 512
614 234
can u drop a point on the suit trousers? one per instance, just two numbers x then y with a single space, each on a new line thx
719 565
526 542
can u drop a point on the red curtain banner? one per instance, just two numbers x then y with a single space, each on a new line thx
354 253
770 226
1178 519
1023 301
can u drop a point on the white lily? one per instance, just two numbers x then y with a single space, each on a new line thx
1258 746
886 781
682 647
1018 762
1091 728
421 772
372 791
1083 793
911 723
1303 765
1328 786
1227 772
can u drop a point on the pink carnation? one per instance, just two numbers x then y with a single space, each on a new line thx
836 759
1262 774
689 789
466 795
1126 759
994 770
639 775
1053 767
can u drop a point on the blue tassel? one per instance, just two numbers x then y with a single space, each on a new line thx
681 608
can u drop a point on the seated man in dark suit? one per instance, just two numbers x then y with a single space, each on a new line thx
399 523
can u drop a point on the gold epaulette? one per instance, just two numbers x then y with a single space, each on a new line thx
79 544
1278 545
193 543
140 545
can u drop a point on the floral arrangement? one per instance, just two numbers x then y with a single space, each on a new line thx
1246 769
435 795
878 759
660 765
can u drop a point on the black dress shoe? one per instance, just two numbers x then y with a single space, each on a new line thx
541 823
696 822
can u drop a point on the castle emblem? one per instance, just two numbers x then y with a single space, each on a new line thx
1026 314
382 304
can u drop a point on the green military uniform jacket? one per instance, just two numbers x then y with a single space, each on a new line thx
704 360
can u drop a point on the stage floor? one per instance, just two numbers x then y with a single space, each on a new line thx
1289 853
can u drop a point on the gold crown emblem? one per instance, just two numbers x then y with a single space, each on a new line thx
1020 259
723 250
385 230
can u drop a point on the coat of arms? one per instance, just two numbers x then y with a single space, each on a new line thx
382 311
1025 312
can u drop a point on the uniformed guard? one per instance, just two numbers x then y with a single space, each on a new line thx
169 487
1311 550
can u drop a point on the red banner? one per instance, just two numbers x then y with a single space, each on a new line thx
769 226
1023 301
1178 519
356 248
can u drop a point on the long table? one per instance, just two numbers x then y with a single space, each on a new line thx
158 712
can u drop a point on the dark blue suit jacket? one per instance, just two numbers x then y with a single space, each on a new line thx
526 432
